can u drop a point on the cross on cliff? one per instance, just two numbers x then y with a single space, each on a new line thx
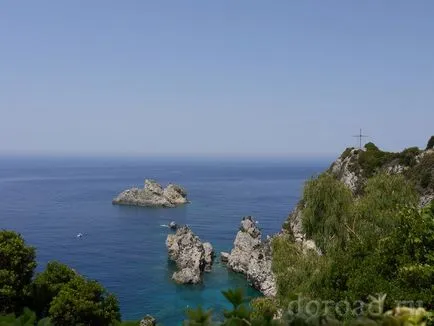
360 136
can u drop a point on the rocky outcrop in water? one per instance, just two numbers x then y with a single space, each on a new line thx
148 320
252 257
152 195
192 257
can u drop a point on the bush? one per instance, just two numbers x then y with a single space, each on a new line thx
263 307
422 174
27 318
17 264
408 156
372 159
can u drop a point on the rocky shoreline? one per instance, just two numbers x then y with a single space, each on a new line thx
153 195
251 255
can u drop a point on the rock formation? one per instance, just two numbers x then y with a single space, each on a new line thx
192 257
341 168
148 320
252 257
152 195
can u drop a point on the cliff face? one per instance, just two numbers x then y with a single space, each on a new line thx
354 167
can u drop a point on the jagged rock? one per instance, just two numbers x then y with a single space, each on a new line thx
187 276
209 256
426 199
148 320
341 168
396 169
224 257
191 256
294 223
152 195
252 257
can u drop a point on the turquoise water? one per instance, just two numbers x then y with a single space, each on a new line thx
51 200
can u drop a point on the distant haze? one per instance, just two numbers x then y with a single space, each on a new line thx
214 77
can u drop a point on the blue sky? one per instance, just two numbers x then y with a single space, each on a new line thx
214 77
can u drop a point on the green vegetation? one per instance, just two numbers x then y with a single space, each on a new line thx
48 284
58 295
372 159
327 210
17 263
262 312
27 318
422 175
84 302
379 242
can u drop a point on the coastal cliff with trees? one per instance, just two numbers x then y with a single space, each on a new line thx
362 235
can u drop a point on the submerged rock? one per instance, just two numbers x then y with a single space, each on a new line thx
192 257
252 257
152 195
224 257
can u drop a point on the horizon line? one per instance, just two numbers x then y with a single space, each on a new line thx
59 154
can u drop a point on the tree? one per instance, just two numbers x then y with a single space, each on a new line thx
17 264
81 301
48 284
327 211
430 143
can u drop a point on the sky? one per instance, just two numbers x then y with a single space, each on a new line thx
214 77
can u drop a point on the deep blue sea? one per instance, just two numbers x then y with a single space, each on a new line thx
50 200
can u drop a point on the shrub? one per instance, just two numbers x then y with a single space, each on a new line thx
27 318
372 159
422 174
408 156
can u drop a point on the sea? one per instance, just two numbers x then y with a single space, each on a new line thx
50 200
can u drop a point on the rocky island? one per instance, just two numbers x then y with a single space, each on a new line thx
192 257
153 195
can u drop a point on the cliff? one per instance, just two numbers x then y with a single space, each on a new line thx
355 166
